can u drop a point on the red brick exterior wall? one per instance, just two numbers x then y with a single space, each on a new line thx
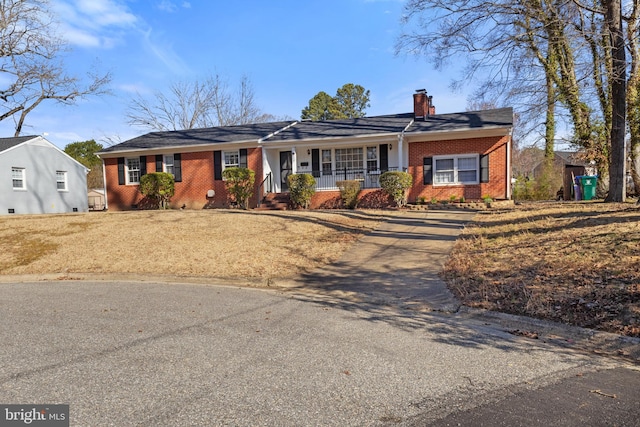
495 147
197 179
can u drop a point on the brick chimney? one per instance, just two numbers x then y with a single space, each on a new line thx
423 105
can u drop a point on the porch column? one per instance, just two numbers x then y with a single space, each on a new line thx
400 151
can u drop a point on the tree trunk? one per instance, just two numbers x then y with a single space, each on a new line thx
613 17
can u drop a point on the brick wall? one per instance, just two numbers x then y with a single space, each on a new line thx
197 179
368 199
495 147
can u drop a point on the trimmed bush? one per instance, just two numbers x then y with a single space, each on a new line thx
239 184
158 187
396 185
349 190
302 187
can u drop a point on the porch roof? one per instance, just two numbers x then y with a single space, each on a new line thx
313 130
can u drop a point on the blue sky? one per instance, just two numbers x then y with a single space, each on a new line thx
290 50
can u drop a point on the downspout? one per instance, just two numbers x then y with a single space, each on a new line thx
104 180
401 146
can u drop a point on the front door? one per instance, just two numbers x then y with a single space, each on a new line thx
286 168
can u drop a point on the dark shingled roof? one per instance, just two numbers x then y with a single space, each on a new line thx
392 124
500 117
310 130
6 143
202 136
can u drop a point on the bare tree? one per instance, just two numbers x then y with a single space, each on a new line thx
31 62
575 50
197 104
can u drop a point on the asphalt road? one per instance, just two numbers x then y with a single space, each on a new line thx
148 354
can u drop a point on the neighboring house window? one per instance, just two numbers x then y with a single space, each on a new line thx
349 158
17 175
231 159
372 159
133 170
326 162
456 170
168 164
61 180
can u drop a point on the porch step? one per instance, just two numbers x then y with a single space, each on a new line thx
275 201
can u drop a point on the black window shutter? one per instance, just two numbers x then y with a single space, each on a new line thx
121 171
158 162
177 167
217 165
315 162
243 158
384 157
484 168
143 165
427 170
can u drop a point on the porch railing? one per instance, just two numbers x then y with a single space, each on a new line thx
266 186
327 180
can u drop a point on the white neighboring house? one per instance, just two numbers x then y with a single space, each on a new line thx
38 177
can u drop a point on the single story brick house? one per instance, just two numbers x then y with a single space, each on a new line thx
461 154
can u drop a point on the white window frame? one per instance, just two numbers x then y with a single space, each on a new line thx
326 164
168 162
230 165
22 178
61 178
129 170
352 156
455 169
372 156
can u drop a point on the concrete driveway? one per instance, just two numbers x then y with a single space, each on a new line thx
152 354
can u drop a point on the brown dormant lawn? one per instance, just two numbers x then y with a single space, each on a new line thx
577 263
209 243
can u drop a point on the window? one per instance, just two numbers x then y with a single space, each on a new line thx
168 164
231 159
456 170
326 162
372 159
133 170
61 180
349 158
17 175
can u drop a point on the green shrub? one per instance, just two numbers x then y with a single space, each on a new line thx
239 184
302 187
396 185
421 200
453 198
487 198
158 186
349 191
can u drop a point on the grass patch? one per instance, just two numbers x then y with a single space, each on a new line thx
208 243
573 263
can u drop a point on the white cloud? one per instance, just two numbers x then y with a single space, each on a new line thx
171 6
93 23
165 53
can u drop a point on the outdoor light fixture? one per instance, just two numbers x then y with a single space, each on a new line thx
308 151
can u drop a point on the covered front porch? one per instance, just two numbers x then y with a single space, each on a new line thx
329 165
